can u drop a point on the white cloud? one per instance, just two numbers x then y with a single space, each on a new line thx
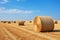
3 10
4 1
11 11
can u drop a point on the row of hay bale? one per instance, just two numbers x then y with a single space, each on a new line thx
18 22
8 21
40 23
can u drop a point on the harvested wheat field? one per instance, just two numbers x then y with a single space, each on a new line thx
13 31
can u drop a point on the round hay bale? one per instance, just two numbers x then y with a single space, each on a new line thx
1 21
43 23
4 21
21 23
30 21
14 21
9 22
56 22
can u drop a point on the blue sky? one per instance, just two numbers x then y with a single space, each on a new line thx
28 9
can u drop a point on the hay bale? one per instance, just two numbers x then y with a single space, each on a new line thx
4 22
30 21
9 22
21 23
56 22
14 21
43 24
1 21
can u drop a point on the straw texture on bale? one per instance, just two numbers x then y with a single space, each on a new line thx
43 23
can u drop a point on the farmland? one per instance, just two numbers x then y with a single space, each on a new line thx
12 31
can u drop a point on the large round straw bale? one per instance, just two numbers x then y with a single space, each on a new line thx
43 23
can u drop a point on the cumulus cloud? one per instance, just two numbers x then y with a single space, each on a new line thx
3 2
3 10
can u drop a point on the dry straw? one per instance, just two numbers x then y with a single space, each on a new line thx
43 24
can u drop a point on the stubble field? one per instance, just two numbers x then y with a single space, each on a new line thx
12 31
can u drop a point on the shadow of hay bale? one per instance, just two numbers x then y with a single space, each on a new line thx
51 31
56 31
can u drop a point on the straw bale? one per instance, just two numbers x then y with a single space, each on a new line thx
56 22
43 23
9 22
21 23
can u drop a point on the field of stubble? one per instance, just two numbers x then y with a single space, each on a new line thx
14 32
